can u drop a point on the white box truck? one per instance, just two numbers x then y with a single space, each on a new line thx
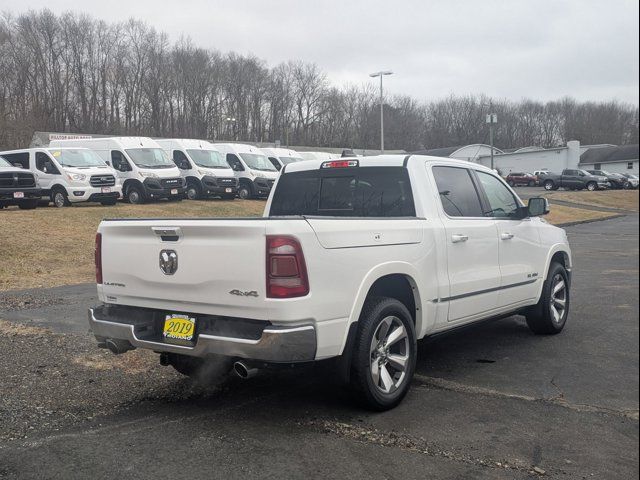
203 167
144 169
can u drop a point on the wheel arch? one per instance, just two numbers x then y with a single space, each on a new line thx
396 279
129 182
558 253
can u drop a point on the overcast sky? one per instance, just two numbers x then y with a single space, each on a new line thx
538 49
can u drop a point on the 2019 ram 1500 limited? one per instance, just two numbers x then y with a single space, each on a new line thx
354 258
575 180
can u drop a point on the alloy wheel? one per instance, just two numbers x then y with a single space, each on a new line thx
389 355
58 199
558 304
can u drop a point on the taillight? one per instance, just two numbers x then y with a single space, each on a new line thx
98 258
286 268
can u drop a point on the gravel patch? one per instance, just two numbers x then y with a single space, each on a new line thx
26 301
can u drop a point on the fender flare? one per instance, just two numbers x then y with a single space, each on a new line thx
131 181
557 248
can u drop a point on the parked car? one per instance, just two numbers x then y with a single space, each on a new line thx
518 179
68 175
17 187
575 180
354 259
617 180
280 157
255 173
633 180
203 167
143 168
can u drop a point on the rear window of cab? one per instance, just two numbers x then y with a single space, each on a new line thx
345 192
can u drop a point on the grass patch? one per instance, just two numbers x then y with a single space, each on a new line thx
622 199
561 214
50 246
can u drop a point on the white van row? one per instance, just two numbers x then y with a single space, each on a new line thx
141 169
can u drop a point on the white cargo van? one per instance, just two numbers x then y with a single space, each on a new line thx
280 157
69 175
319 155
144 169
252 168
203 167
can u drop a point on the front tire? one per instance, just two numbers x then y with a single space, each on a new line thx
245 191
549 185
592 187
59 198
135 196
384 355
549 316
28 204
193 192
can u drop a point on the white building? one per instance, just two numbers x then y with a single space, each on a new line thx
622 159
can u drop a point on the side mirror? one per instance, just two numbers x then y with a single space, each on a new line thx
538 206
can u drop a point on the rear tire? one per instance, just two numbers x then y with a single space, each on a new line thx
28 204
384 355
511 184
550 314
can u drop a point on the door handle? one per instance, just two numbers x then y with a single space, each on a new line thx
457 238
506 236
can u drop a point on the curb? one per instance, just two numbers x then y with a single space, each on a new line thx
591 220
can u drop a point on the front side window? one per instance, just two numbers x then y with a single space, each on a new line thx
256 161
45 165
235 163
77 158
274 162
119 162
150 158
348 192
208 158
502 202
458 194
4 163
181 160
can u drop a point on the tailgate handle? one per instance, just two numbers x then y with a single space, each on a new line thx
168 234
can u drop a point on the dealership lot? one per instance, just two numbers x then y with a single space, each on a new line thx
492 401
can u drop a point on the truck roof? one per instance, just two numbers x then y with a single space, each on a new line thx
281 152
108 142
384 161
237 148
186 143
40 149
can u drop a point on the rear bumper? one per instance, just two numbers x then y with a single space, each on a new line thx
244 339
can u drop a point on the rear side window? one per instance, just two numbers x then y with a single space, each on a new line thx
18 159
345 192
457 191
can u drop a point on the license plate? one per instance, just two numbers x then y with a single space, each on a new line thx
228 190
179 328
18 194
174 191
106 190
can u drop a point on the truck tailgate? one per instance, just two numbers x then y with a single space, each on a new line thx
220 263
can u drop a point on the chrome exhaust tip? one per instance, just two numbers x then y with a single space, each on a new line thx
117 347
244 371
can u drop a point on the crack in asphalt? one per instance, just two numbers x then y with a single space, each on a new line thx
410 443
559 400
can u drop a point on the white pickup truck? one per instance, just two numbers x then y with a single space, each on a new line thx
354 258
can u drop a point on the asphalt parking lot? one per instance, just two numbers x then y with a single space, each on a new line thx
492 401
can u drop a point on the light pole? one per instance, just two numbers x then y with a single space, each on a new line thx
491 119
232 121
381 74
